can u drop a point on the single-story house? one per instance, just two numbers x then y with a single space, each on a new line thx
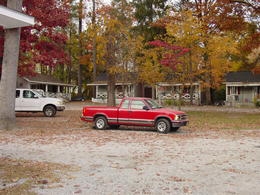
50 85
242 87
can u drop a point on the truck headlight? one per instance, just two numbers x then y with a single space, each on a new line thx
177 117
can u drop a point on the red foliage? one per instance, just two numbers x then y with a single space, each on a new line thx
48 12
252 42
173 53
43 42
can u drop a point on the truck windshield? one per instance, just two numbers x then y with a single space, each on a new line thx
39 93
153 104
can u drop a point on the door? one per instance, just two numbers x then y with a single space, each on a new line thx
28 101
123 112
137 115
18 100
148 92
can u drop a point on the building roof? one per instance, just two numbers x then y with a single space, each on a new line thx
45 79
13 19
121 79
243 76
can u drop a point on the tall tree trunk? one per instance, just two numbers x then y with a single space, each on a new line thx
70 61
208 96
94 54
111 90
110 62
9 72
80 48
94 51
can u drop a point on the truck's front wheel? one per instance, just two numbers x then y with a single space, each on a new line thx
49 111
100 122
163 126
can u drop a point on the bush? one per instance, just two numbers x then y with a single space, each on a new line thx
172 102
219 95
257 103
168 102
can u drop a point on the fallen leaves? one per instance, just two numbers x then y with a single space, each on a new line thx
20 176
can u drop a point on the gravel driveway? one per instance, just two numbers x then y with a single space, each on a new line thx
131 161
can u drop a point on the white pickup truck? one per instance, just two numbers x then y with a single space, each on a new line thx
28 100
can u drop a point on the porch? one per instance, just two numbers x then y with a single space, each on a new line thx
242 88
176 91
242 95
121 90
51 86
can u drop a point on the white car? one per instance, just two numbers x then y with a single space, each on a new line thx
28 100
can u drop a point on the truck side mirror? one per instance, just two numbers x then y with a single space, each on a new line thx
146 108
35 96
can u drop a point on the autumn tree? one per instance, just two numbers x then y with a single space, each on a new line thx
213 36
44 43
77 45
116 44
240 17
150 70
184 30
146 13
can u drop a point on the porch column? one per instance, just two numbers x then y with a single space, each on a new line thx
129 91
96 91
226 92
58 89
46 88
199 94
158 93
254 93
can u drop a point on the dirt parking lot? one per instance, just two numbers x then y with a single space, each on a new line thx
135 160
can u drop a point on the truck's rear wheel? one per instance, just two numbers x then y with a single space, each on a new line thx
100 122
163 126
49 111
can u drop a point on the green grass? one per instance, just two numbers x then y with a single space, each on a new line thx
223 121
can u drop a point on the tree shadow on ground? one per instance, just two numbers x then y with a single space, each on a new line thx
144 129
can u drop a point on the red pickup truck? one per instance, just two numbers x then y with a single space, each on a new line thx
134 111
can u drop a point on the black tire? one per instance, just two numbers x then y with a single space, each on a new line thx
174 129
100 123
163 126
114 126
49 111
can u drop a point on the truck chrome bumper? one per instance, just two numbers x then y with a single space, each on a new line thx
179 123
87 119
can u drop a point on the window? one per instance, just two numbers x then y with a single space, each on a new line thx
137 104
153 104
17 93
28 94
125 104
233 90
